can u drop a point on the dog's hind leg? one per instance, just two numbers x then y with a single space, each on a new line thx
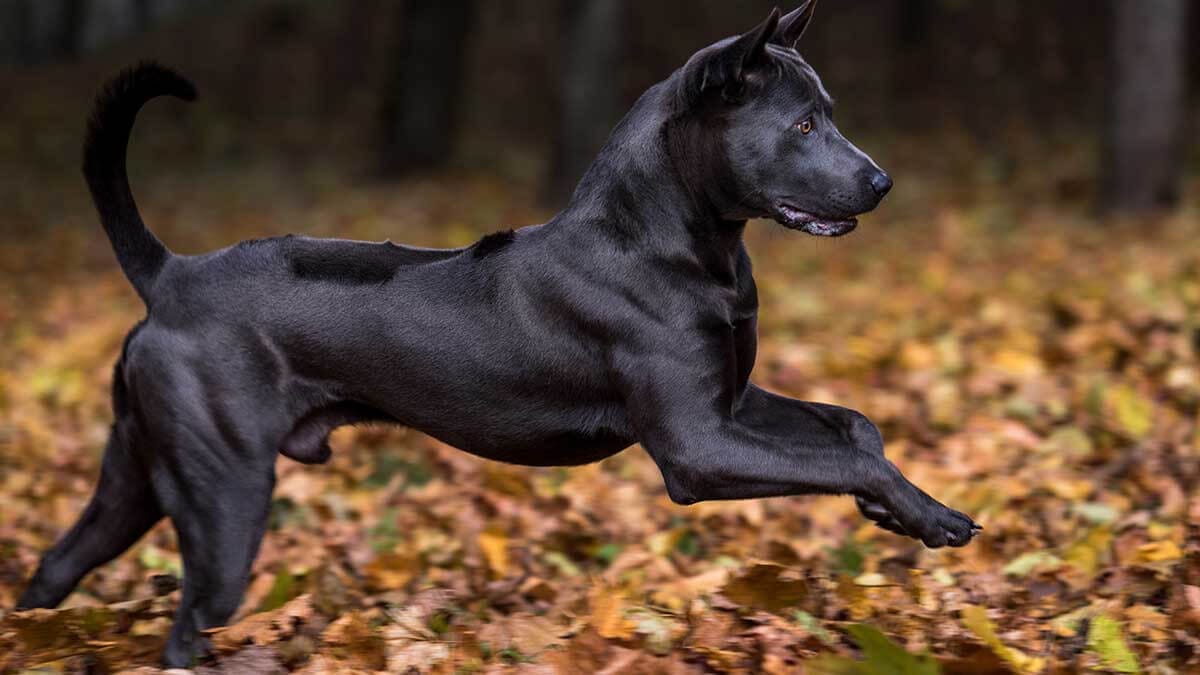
122 509
219 501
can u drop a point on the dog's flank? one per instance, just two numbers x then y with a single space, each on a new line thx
630 317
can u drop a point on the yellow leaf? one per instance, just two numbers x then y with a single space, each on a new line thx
1133 412
662 543
1087 553
390 571
1074 490
975 618
495 548
945 404
1016 363
608 613
1158 551
873 579
917 356
1070 441
1107 642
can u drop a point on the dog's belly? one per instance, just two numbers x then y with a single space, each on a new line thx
527 430
513 417
545 442
564 448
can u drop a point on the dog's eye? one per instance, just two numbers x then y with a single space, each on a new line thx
805 126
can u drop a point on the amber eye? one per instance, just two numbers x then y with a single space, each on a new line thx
806 126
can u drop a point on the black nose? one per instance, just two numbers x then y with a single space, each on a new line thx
881 183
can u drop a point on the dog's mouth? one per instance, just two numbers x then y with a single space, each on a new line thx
820 226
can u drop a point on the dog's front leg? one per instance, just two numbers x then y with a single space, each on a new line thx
709 446
787 418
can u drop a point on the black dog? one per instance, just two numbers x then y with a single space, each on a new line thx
629 317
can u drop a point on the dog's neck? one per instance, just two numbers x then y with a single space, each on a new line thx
635 192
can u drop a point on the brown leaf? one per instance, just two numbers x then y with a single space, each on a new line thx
766 586
265 628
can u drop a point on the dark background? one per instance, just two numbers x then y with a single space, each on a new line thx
528 88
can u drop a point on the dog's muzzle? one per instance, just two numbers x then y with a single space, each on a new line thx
820 226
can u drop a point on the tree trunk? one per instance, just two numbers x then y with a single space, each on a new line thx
593 34
16 25
69 41
1143 135
420 107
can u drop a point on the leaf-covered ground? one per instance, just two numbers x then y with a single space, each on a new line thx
1027 364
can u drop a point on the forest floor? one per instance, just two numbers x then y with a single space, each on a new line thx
1028 365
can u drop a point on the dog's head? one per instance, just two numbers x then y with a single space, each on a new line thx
752 130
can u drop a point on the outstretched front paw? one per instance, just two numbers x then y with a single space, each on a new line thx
935 525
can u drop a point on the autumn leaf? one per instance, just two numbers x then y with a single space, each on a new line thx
1133 413
1158 551
1107 642
766 586
495 549
881 656
1028 562
608 613
265 628
975 618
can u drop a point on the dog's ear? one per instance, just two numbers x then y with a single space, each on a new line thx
792 26
751 48
726 68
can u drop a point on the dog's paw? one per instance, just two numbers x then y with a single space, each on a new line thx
936 526
943 526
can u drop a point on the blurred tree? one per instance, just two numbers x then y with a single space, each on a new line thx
15 22
37 31
914 23
45 31
1144 126
594 47
347 53
420 105
72 22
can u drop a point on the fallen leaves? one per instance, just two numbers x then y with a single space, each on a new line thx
1043 380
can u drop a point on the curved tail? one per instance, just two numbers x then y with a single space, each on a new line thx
139 252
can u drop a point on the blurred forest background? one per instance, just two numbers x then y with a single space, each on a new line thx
1021 317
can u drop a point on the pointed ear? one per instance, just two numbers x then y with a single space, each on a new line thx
792 26
726 68
751 47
